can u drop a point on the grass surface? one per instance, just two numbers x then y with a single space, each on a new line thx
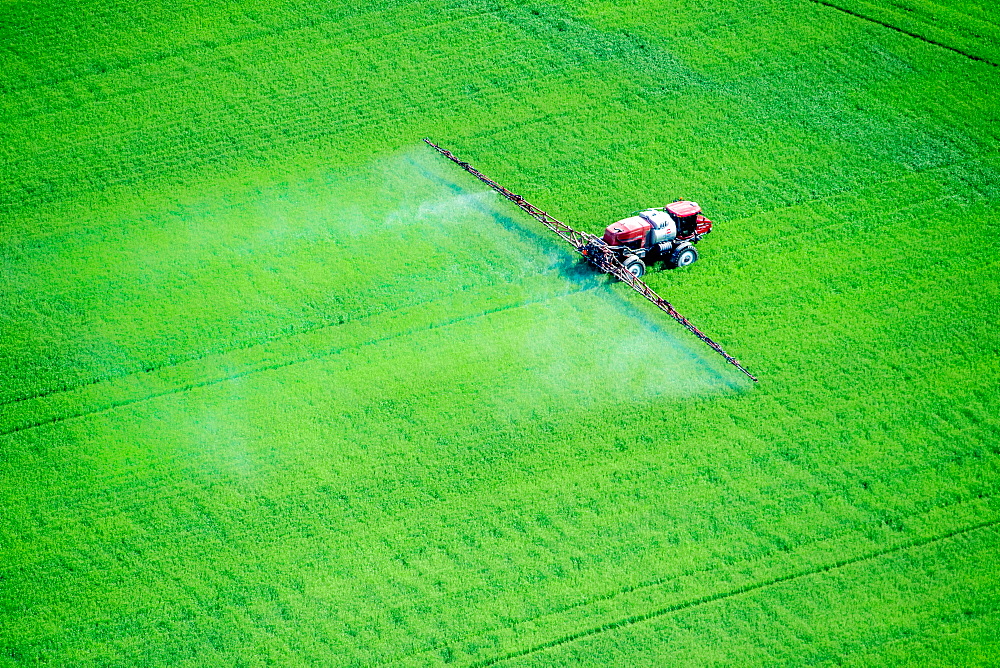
282 386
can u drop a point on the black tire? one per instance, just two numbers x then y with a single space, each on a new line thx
682 257
635 266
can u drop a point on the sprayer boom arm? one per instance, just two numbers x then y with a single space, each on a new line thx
597 253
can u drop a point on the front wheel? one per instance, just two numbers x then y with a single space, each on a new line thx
635 266
683 257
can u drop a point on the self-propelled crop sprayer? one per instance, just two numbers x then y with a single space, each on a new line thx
670 232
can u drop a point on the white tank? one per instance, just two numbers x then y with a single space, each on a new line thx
664 227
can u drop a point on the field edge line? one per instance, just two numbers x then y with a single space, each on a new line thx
903 31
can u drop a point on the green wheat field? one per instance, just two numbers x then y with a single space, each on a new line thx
281 386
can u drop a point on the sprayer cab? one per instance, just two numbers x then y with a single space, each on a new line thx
690 222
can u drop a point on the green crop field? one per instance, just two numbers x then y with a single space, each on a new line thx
282 386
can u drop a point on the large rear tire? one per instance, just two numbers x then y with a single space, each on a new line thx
635 266
682 257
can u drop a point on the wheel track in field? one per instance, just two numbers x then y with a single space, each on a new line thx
214 151
186 387
249 36
186 81
903 31
833 196
926 632
644 585
734 592
659 581
194 357
306 330
979 157
744 250
216 148
219 149
595 467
